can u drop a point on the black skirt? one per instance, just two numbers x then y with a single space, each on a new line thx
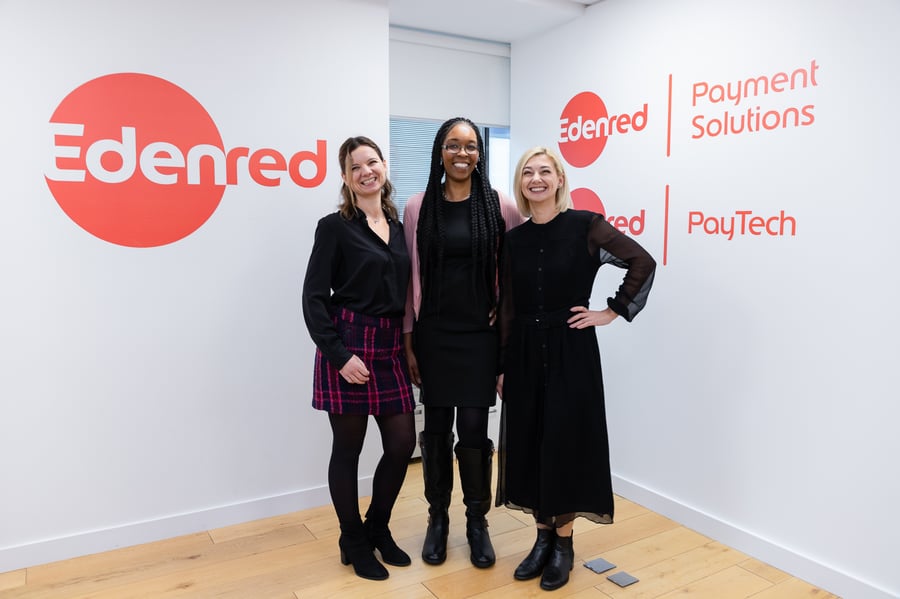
458 367
554 449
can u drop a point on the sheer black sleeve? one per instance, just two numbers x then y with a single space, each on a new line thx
317 287
611 246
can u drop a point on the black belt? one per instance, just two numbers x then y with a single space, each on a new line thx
546 320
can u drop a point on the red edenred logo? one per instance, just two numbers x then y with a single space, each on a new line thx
585 199
137 161
585 125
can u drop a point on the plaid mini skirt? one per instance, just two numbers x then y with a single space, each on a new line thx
378 342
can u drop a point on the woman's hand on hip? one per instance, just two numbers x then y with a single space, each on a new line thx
584 318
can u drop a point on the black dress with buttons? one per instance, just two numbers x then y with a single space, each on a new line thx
554 450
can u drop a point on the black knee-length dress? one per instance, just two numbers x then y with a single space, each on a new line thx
554 450
455 342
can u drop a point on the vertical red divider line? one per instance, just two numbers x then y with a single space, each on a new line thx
668 154
666 230
669 121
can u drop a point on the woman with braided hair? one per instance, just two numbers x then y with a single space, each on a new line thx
454 231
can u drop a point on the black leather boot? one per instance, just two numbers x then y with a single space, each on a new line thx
379 536
437 471
475 480
533 564
556 572
356 550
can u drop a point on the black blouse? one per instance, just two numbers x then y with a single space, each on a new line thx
548 268
352 267
457 303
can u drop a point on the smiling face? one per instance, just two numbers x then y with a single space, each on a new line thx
364 172
539 182
460 165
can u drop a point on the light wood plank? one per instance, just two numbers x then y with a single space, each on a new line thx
669 575
257 527
738 582
12 580
653 549
794 588
773 575
295 556
129 563
413 591
598 541
591 593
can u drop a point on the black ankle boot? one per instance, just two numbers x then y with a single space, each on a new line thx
437 471
356 550
533 564
556 572
379 536
475 479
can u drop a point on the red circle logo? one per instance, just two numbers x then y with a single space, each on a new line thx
582 129
134 160
585 199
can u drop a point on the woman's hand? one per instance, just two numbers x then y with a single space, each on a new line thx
355 372
500 385
584 318
414 377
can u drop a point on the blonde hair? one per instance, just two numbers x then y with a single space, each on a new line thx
563 198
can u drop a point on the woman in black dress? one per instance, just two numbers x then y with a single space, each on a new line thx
454 231
354 297
554 420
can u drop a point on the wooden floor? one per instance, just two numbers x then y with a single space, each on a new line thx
296 556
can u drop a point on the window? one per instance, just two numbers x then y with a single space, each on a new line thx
410 156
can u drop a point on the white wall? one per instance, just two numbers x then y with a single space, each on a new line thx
755 398
150 392
478 86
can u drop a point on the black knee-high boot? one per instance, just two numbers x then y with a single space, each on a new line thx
437 471
475 479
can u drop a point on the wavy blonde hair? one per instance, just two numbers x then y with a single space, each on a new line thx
563 198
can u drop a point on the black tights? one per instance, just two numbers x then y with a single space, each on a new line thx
471 424
398 439
554 521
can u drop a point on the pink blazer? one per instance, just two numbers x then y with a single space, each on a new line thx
511 216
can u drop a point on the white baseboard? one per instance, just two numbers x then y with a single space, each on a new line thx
95 541
136 533
828 578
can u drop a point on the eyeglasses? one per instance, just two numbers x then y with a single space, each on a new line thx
456 148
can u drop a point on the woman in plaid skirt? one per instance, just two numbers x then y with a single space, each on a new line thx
354 297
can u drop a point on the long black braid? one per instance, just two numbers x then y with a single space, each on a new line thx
487 221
